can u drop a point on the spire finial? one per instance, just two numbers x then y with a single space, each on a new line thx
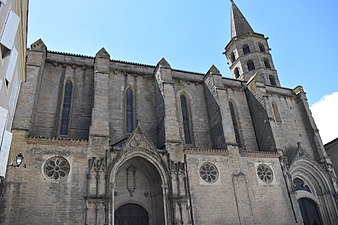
232 1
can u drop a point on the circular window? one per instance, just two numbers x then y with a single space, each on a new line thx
56 168
265 173
209 172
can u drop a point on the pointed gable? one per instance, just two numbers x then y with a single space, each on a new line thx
138 140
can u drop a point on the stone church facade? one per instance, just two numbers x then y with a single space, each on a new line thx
113 142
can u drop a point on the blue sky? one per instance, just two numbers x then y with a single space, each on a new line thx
192 34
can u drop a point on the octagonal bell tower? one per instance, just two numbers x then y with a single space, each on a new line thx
248 52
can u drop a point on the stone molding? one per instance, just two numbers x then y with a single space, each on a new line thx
57 142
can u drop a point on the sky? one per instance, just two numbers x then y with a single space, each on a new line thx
192 34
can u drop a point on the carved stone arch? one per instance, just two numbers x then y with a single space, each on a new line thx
312 173
134 202
139 150
159 195
186 93
322 187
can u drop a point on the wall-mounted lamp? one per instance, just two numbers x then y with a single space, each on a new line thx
18 160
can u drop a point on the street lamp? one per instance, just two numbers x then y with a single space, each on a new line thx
18 160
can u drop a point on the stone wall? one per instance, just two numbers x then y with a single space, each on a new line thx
32 197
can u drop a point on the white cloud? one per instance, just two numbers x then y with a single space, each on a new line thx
325 113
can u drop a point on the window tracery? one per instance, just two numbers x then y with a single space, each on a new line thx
209 172
56 168
264 172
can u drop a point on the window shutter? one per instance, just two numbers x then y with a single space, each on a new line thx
3 119
1 82
9 31
4 152
14 94
11 65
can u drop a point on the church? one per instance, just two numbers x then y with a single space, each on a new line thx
109 142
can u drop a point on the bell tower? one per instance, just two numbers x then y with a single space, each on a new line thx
248 52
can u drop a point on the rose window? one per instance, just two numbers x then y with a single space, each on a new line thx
56 168
265 173
209 172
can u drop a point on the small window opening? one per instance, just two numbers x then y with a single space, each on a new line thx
232 57
250 65
246 49
236 71
272 80
267 63
261 47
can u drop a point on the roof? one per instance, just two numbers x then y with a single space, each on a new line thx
239 25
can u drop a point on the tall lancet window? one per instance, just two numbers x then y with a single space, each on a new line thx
186 119
276 112
130 111
235 124
67 102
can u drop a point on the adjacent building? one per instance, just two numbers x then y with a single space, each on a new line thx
332 150
13 42
113 142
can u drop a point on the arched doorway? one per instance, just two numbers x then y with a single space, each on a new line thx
131 214
138 188
309 211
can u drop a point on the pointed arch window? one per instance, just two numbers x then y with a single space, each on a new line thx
130 111
235 124
236 71
246 49
251 66
299 184
67 102
276 112
261 47
272 80
186 119
267 63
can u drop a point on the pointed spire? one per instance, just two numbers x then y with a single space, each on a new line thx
239 25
